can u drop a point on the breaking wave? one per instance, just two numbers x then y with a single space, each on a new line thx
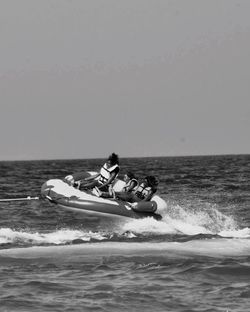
176 222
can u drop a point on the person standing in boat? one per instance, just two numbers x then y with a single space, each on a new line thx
101 180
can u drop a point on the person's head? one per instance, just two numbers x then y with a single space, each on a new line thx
113 159
128 176
152 181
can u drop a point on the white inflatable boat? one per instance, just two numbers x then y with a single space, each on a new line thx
68 197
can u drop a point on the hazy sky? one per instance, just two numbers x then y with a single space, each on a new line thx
84 78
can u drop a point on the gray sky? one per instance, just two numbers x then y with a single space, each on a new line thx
82 79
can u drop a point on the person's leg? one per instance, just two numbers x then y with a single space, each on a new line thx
107 193
89 185
128 197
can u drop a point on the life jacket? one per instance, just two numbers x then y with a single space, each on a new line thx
142 191
128 184
105 173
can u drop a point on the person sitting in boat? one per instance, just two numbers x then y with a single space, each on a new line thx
146 189
143 192
101 180
131 184
143 195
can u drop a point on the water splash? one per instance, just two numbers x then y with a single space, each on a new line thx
243 233
9 236
148 225
208 218
186 221
177 220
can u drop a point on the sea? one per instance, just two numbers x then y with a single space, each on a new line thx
197 258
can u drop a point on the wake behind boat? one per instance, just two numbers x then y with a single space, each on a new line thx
68 197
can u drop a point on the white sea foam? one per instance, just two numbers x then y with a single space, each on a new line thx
218 247
177 220
185 221
243 233
8 235
149 225
166 226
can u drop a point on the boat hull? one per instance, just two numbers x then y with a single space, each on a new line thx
68 197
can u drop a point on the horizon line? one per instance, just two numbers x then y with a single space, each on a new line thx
122 157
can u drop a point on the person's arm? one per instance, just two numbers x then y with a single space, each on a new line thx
130 187
92 177
110 180
149 196
71 179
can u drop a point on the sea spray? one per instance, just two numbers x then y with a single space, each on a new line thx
208 218
63 236
148 225
180 220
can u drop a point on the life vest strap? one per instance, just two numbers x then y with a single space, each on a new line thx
106 172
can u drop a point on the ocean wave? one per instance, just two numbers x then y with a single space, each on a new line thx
125 251
177 222
59 237
243 233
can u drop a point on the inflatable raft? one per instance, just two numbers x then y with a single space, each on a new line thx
68 197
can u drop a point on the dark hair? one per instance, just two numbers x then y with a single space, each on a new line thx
130 175
152 181
114 159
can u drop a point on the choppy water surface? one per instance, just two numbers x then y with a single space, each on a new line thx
197 258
